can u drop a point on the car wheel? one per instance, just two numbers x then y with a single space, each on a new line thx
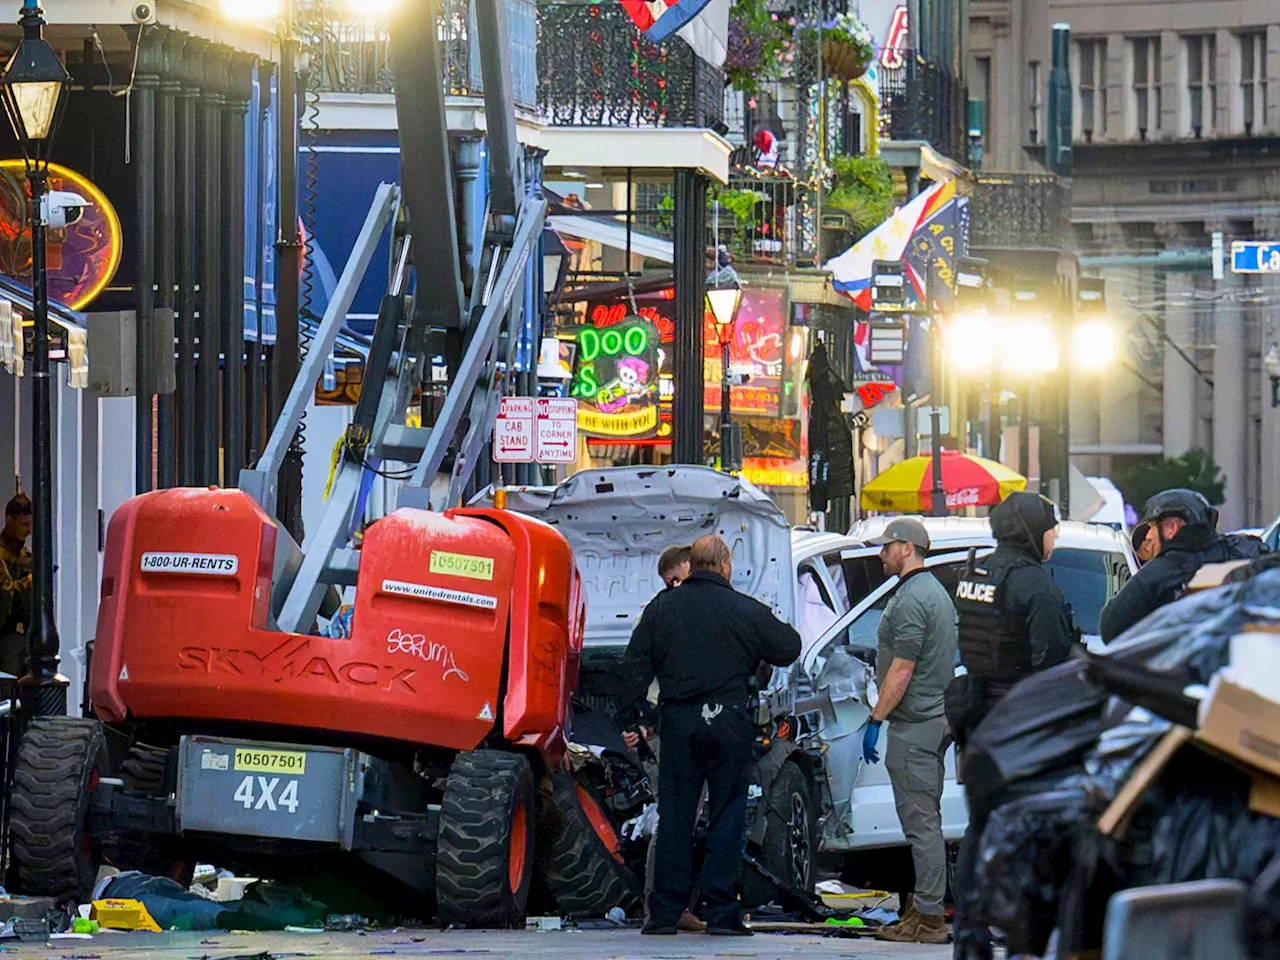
790 838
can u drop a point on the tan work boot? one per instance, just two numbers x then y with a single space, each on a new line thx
908 910
931 929
904 931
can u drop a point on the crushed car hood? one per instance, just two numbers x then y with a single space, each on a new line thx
619 520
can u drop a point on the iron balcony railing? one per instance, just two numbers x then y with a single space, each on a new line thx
595 69
353 55
923 101
1017 211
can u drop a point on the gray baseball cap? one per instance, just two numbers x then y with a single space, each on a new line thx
903 530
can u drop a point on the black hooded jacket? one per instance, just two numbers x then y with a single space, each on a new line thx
1030 595
1165 578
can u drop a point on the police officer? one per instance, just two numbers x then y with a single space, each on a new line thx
1184 528
1014 621
703 642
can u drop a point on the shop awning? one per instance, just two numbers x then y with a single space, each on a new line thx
611 233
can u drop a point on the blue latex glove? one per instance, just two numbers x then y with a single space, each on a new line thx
870 737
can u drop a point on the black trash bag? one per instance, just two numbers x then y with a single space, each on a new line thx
1048 721
1024 859
1195 824
1141 687
1263 916
1188 641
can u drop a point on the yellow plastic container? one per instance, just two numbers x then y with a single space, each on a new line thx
122 915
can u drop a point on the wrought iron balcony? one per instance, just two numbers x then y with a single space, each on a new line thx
353 56
1017 211
595 69
757 220
923 101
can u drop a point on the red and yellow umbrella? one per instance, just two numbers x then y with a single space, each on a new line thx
967 481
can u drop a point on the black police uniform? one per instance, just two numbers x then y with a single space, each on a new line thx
1013 621
703 641
1164 579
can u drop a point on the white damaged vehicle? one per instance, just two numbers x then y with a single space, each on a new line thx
618 521
812 793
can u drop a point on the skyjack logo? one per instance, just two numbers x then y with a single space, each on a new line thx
295 660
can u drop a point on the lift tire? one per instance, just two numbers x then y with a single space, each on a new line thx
583 867
59 762
790 838
485 844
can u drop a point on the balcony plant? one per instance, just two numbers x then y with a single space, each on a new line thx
757 47
847 45
862 190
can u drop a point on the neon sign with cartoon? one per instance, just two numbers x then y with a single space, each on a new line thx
616 381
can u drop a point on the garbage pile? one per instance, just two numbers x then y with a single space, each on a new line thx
1155 763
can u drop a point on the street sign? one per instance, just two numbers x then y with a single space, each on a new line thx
513 430
1255 256
556 431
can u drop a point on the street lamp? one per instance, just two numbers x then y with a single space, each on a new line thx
1271 362
724 303
33 87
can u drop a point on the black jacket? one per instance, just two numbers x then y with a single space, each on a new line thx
1032 597
1165 578
703 640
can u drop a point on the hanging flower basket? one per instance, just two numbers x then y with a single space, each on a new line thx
844 60
847 47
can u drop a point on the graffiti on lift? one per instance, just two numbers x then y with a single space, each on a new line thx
416 645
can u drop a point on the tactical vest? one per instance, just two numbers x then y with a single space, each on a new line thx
994 645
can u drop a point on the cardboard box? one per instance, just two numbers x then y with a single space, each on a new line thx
1212 575
1264 795
1242 724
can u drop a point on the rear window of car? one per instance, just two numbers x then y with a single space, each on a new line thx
1089 578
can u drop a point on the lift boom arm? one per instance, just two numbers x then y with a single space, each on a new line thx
485 325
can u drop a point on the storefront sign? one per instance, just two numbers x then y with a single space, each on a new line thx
616 381
757 353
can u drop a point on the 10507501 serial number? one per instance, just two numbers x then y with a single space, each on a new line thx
270 761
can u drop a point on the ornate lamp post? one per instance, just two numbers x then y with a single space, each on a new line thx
724 303
34 86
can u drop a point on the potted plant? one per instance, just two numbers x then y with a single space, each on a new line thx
847 47
756 46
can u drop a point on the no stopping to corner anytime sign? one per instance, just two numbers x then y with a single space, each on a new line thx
544 430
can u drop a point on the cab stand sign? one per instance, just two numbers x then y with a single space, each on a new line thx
544 430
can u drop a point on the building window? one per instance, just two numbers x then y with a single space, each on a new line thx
1035 98
1202 60
1146 84
1253 87
1093 88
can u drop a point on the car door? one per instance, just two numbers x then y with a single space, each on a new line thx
841 669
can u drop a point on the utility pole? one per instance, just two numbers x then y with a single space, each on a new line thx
288 269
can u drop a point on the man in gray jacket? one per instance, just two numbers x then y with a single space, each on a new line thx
915 660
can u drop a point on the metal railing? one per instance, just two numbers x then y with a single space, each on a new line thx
595 69
1017 211
353 56
765 231
923 101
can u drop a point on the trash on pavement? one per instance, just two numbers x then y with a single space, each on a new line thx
345 922
544 924
118 914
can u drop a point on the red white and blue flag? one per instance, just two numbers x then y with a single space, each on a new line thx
659 19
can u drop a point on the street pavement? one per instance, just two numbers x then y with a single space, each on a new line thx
462 945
